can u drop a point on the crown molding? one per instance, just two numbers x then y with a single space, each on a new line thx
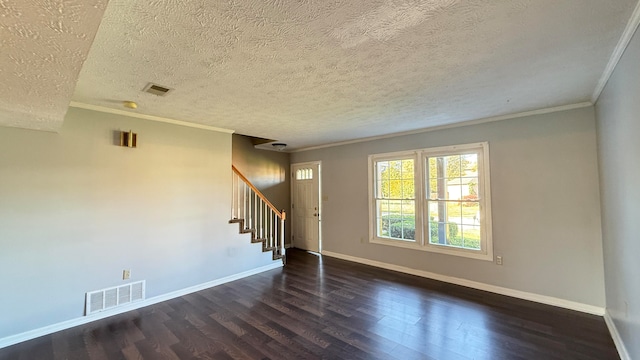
455 125
107 110
623 43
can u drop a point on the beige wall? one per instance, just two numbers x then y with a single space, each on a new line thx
618 115
545 200
268 171
76 210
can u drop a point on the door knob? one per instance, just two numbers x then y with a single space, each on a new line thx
315 214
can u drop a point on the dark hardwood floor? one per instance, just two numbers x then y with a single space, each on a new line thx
332 309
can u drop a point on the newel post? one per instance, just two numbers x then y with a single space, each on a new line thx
282 251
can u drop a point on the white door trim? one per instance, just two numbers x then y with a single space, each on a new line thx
293 184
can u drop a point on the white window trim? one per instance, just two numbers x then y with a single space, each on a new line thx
422 242
417 168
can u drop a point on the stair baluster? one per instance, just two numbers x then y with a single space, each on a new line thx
255 214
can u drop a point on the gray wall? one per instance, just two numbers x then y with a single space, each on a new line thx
75 210
545 200
268 171
618 119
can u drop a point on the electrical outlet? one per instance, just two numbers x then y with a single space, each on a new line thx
126 274
499 260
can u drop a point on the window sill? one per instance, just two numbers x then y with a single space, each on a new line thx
397 243
488 256
434 249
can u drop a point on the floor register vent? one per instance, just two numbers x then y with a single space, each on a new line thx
105 299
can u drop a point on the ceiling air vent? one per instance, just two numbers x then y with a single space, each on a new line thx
156 89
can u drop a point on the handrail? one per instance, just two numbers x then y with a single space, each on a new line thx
256 215
281 214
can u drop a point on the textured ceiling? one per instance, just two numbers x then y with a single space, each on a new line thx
309 72
43 44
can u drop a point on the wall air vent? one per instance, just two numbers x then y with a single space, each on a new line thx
156 89
105 299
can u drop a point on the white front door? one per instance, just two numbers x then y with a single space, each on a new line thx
305 198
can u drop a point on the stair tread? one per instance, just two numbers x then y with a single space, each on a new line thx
274 250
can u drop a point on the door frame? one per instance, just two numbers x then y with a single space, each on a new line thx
293 184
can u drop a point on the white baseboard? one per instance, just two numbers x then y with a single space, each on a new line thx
543 299
622 350
46 330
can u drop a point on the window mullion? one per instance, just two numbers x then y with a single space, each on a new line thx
417 198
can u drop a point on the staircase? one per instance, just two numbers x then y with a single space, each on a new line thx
257 216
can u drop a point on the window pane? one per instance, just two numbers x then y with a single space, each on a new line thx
471 236
408 189
454 237
409 207
454 211
438 178
470 162
453 165
304 174
432 186
433 173
398 220
395 179
439 232
379 212
453 227
395 207
395 189
407 169
433 232
408 220
394 169
447 220
382 207
392 218
381 170
454 188
433 211
471 213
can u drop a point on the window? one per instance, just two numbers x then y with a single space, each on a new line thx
449 212
304 174
395 199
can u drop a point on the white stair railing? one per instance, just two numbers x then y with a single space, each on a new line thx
257 215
